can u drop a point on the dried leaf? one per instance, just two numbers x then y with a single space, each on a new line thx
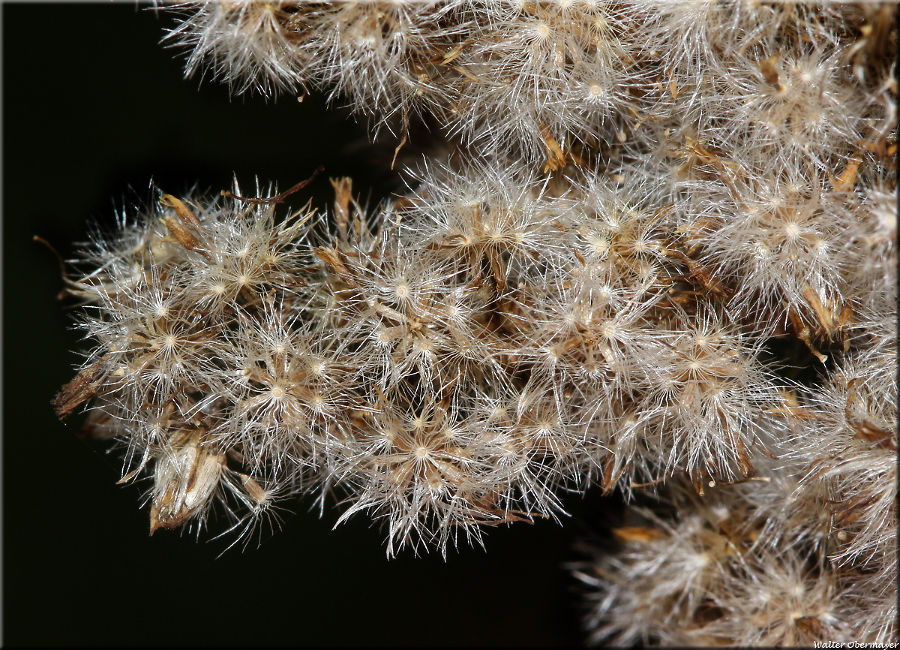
83 387
637 534
184 213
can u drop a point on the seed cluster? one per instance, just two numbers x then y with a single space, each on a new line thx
663 255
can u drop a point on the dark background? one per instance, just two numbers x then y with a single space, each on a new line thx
93 109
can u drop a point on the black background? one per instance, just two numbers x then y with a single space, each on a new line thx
93 107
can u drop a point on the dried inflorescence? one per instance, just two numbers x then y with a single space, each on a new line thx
451 368
731 569
780 78
670 263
